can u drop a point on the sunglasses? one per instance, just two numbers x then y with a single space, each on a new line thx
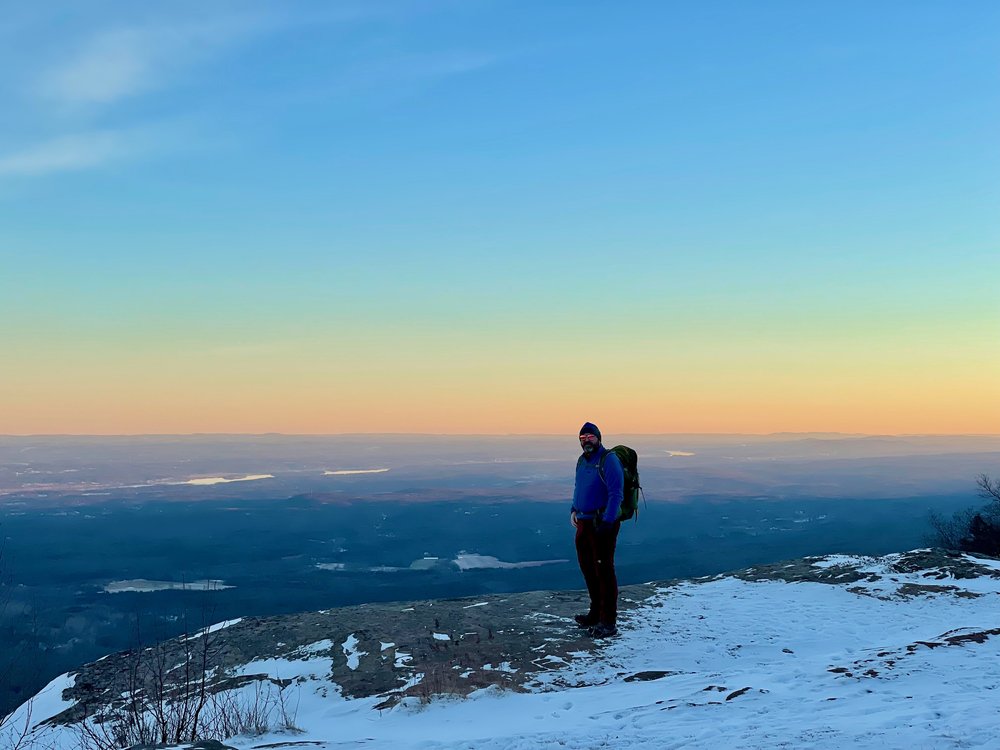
587 437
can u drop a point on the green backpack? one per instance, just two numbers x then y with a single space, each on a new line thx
629 460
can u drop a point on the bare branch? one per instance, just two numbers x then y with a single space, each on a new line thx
988 488
14 737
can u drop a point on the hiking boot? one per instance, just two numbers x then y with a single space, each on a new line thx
602 630
586 621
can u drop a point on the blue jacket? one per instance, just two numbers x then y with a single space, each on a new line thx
591 494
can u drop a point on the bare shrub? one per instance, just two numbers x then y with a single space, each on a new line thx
172 695
949 532
12 733
440 680
972 529
988 488
162 701
264 708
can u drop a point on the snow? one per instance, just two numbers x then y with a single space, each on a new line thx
713 639
222 625
46 703
831 561
350 651
502 667
285 669
706 664
987 563
216 628
319 647
441 637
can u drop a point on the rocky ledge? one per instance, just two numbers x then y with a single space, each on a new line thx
453 646
388 650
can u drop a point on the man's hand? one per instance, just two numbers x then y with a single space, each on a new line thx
572 518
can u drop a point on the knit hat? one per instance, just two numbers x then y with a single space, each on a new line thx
591 428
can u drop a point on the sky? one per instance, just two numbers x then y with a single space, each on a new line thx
499 217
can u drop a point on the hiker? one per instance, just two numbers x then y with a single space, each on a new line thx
597 496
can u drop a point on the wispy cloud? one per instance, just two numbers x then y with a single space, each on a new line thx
396 75
83 78
440 65
106 66
67 153
114 64
118 62
90 149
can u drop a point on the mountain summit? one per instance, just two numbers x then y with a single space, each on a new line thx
897 651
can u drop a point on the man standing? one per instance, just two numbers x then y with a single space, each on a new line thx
597 496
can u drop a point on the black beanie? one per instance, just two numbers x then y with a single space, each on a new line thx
591 428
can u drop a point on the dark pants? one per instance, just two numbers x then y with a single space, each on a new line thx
596 554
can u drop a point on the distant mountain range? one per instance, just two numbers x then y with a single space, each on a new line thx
42 471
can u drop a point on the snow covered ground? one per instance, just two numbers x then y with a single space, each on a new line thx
894 660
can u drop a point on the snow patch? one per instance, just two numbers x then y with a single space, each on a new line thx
504 666
319 647
991 564
350 651
46 703
215 628
831 561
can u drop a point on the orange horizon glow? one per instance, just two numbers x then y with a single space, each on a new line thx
463 381
890 419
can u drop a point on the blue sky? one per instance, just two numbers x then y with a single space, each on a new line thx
250 174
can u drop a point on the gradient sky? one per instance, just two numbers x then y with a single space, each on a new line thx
482 217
